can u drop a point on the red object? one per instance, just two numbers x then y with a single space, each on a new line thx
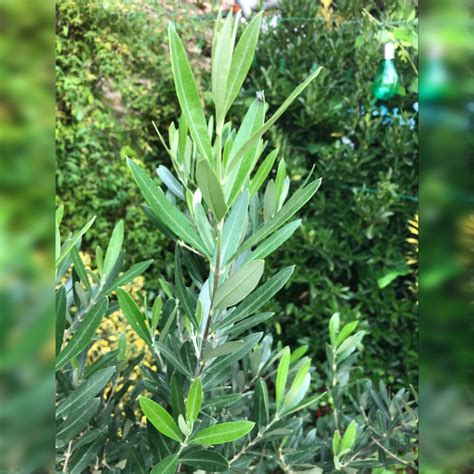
235 8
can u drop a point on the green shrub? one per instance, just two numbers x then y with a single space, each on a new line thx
354 234
223 397
352 237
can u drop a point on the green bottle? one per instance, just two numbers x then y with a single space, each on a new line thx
387 82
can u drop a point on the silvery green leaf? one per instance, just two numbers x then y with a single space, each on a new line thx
282 376
266 126
85 392
261 403
239 284
242 59
82 337
166 466
169 215
222 349
262 173
269 201
222 433
133 315
113 249
205 460
170 181
194 402
222 48
233 227
296 202
257 298
61 310
188 95
279 180
211 189
160 418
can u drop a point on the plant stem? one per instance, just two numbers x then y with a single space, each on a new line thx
257 438
215 285
334 384
67 456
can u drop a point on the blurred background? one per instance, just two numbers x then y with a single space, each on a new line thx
357 252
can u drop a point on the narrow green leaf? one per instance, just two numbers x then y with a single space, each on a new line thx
79 268
280 177
166 466
173 359
269 245
188 95
61 310
242 59
194 402
183 426
258 298
222 433
251 122
174 219
170 181
350 343
239 285
77 420
299 386
133 315
205 460
156 313
59 214
349 437
242 166
204 228
99 259
80 460
223 46
261 403
113 249
346 331
102 362
71 242
223 349
135 461
336 439
160 418
130 275
211 189
182 291
223 401
250 342
297 354
248 323
282 376
85 392
177 401
334 324
262 173
269 201
269 123
183 137
84 334
295 203
233 227
304 404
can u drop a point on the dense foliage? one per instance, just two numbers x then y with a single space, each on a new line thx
220 396
354 235
352 243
